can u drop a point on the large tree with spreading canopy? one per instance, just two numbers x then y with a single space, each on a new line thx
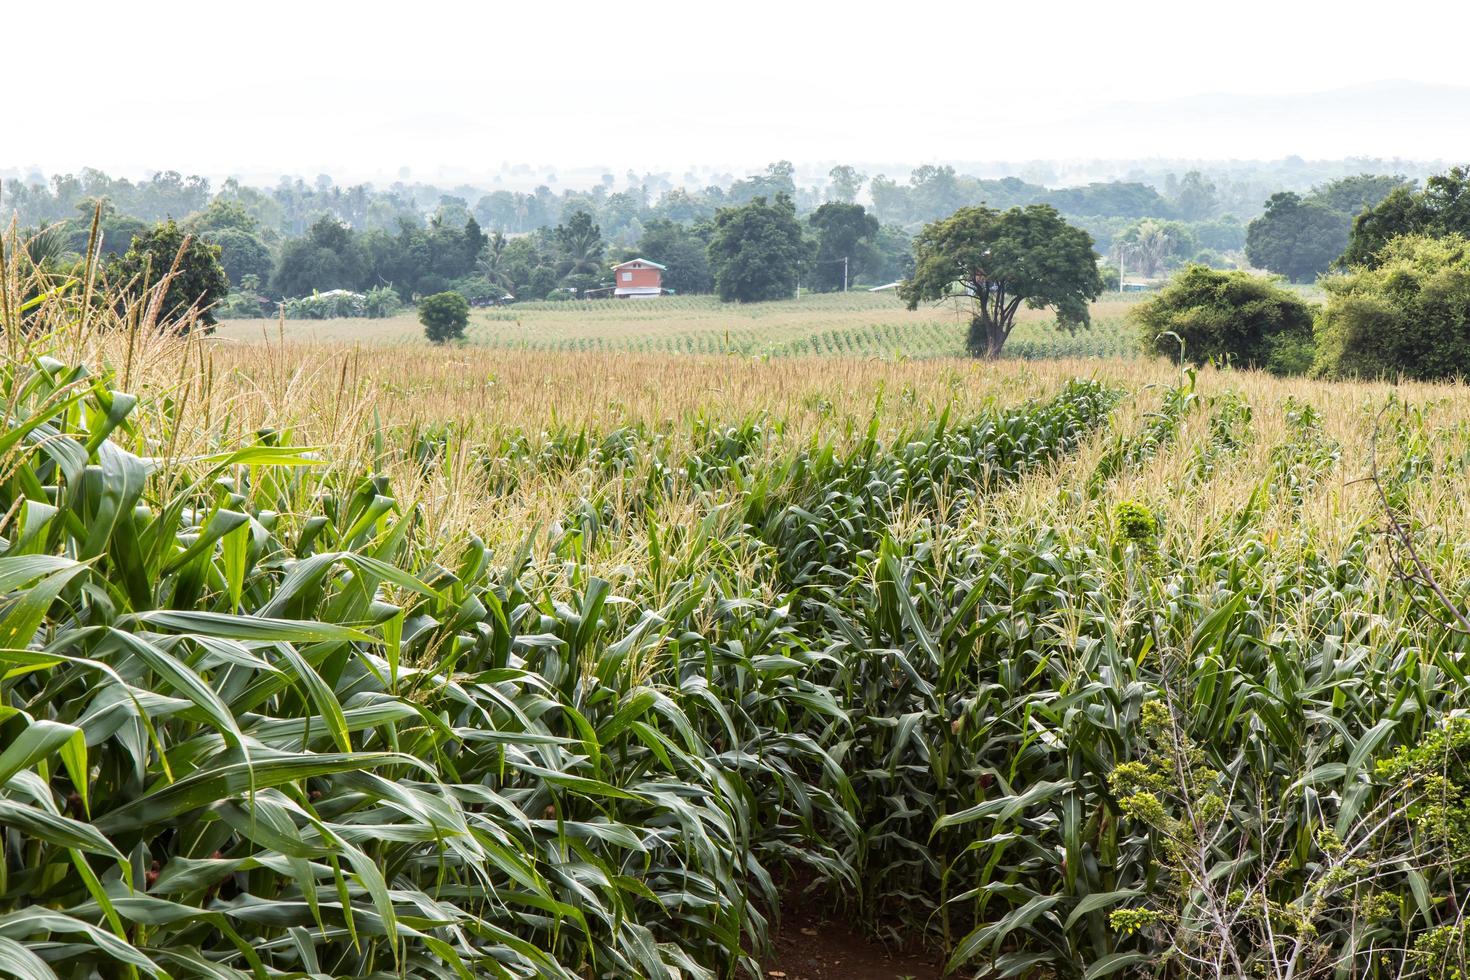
997 260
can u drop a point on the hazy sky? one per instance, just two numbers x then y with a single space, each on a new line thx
360 89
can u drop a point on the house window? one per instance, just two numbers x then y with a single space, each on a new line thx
627 277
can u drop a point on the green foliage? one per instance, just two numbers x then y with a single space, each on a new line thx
1137 526
683 251
1227 316
579 246
1121 199
1296 238
415 260
241 254
493 265
1441 208
895 258
196 281
376 303
756 251
1362 192
846 183
846 233
246 301
381 302
999 260
240 739
444 316
935 191
329 257
1151 247
1407 314
1194 198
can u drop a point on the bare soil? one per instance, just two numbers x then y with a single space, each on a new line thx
816 942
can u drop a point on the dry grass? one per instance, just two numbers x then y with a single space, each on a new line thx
354 400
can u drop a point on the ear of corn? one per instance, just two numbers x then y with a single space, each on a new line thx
259 717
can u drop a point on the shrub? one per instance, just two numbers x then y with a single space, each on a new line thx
444 316
1408 315
1227 316
381 302
326 306
245 301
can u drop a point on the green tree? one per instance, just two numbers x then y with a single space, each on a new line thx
779 179
329 256
197 280
1442 208
1296 238
846 183
475 241
1362 192
529 265
241 254
997 260
116 229
1151 247
1114 199
494 265
934 191
579 246
223 213
895 249
684 253
1195 199
845 233
1407 314
756 251
1228 315
444 316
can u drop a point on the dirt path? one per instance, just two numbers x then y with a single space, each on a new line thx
816 943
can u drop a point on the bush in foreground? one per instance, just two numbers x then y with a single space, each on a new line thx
1228 316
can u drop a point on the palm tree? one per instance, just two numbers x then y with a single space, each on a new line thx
492 264
45 246
1149 244
580 246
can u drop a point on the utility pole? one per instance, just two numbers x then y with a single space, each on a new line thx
844 273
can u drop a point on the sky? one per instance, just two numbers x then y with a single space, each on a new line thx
457 90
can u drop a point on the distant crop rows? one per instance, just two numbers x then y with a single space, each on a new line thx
852 325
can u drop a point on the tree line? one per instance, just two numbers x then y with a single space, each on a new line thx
408 230
1398 298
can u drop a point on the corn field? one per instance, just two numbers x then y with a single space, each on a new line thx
857 324
317 660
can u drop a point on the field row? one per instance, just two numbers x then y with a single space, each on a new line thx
858 325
